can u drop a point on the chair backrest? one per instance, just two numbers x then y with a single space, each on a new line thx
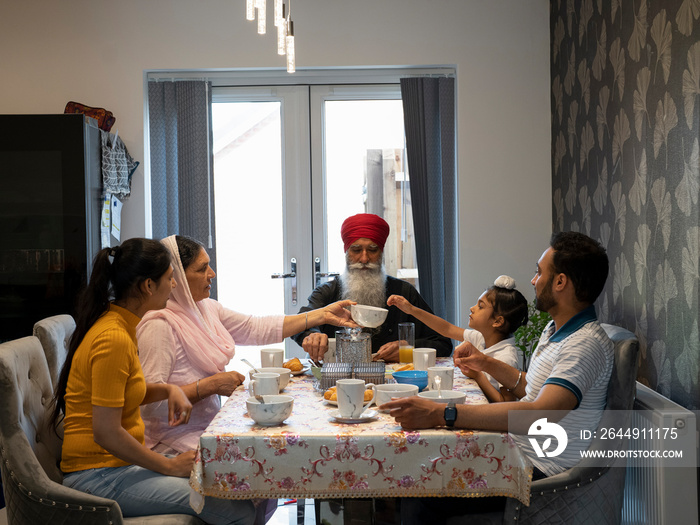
55 333
26 392
623 379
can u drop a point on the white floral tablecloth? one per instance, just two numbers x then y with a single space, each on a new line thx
312 456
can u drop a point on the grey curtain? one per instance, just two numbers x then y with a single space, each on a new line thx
429 120
182 189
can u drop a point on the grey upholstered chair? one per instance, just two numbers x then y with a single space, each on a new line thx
54 333
30 451
586 493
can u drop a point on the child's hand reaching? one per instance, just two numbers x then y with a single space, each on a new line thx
401 303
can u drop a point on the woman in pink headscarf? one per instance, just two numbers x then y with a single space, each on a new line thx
189 343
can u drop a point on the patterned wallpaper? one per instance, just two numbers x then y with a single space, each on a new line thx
626 168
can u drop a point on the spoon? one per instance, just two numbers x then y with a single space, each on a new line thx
251 366
438 383
260 398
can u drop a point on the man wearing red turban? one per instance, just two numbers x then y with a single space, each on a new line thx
365 281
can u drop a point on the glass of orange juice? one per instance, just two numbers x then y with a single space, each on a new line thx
407 338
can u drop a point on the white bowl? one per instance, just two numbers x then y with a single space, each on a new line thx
285 374
446 396
273 411
388 390
368 316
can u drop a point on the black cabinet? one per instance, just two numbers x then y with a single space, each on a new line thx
50 204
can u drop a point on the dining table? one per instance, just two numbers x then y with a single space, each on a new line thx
313 455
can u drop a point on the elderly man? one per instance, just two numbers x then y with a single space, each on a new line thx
366 282
568 375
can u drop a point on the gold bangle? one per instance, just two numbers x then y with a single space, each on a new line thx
199 398
520 376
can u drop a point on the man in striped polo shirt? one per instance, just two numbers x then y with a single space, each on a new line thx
568 373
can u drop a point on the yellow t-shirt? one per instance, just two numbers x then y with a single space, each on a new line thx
105 372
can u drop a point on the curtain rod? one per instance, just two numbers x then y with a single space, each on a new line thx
340 75
202 79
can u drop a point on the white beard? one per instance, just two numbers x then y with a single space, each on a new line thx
364 286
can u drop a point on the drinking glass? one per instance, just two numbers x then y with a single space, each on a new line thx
407 338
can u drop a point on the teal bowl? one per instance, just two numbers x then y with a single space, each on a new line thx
412 377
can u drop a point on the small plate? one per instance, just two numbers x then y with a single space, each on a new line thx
300 372
367 415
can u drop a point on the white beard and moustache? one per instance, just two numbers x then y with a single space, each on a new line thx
364 286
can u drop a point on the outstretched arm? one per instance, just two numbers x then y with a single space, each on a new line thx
438 324
334 313
416 413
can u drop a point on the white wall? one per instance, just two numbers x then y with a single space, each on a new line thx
95 52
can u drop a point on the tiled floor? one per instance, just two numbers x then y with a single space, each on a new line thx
286 514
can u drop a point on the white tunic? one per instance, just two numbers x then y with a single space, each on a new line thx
505 351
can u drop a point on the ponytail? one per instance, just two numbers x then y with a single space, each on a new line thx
93 301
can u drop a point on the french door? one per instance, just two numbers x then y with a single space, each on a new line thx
290 164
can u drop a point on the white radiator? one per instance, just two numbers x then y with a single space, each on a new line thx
654 494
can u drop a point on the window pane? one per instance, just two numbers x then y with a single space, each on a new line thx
365 173
248 192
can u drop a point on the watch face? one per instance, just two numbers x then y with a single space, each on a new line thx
450 416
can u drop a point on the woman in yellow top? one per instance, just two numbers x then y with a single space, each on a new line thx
102 387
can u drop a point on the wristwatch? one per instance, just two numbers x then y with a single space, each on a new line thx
450 415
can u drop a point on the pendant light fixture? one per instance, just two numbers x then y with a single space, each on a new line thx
283 23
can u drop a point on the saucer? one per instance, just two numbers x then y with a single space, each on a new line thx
300 372
367 415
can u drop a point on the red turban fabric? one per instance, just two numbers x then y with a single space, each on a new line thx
364 226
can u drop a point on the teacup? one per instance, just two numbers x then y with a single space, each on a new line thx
446 374
386 392
351 397
272 357
285 375
424 358
264 383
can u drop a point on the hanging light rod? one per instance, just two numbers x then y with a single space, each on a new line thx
283 23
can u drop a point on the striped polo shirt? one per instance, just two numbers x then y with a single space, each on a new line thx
578 357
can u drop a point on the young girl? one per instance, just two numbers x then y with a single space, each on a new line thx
102 386
499 312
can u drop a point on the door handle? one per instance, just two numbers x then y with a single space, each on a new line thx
318 274
291 275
